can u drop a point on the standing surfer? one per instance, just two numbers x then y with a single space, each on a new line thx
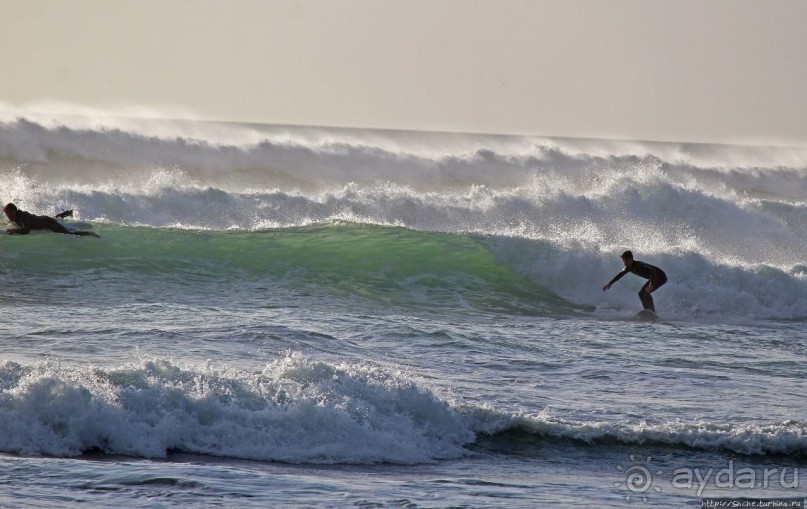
655 276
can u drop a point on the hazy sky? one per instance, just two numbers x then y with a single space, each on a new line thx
687 70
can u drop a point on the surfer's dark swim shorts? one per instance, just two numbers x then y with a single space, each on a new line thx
658 282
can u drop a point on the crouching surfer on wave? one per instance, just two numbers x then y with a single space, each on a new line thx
655 275
26 222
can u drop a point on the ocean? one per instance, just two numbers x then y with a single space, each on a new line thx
318 317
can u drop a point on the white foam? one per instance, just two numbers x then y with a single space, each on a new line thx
301 410
296 410
789 438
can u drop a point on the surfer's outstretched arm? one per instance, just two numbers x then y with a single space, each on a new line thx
615 279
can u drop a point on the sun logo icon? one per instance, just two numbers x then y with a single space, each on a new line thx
638 479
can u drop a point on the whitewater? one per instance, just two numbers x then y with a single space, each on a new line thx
322 317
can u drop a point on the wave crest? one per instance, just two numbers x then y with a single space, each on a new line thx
297 410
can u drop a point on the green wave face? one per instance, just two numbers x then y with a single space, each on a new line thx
381 266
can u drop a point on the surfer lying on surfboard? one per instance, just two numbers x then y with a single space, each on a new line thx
26 222
655 275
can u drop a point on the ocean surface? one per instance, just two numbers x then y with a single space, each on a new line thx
310 317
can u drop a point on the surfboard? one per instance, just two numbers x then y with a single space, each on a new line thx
76 225
646 315
80 228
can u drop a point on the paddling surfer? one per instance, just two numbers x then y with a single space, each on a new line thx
26 222
655 276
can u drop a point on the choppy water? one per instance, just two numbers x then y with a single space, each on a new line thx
289 316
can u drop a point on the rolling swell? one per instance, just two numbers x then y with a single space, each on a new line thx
302 410
395 267
728 224
297 410
390 267
786 438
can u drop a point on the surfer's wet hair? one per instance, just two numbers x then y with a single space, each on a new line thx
627 255
9 207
